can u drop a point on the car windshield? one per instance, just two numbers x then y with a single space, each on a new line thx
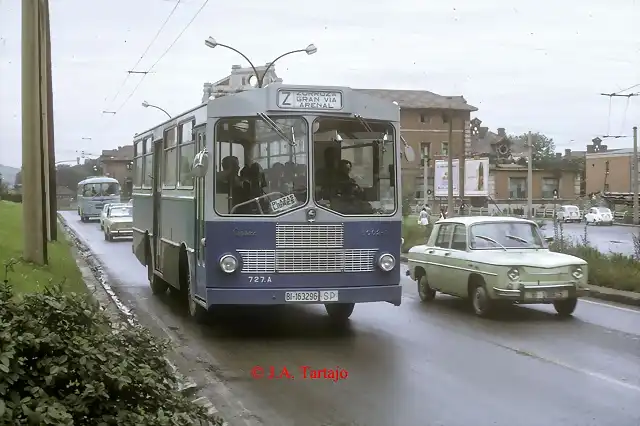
603 210
121 212
492 235
571 208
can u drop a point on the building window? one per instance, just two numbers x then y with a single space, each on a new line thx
187 151
425 149
444 148
170 157
517 187
424 118
548 185
419 185
606 187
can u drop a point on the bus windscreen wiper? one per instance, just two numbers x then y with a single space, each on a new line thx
276 128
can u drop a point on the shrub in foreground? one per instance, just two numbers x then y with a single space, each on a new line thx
63 362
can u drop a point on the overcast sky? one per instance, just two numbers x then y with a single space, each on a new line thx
527 65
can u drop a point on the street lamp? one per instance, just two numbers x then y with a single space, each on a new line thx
147 105
309 50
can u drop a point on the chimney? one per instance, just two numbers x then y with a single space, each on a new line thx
558 155
236 67
567 152
502 132
207 91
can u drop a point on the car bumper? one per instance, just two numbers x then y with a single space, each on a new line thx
604 221
270 296
522 294
121 232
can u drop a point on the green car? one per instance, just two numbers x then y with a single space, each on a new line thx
496 260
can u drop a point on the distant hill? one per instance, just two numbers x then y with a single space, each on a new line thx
8 174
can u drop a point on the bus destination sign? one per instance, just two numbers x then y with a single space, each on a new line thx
319 100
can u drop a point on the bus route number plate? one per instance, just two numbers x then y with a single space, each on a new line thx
284 202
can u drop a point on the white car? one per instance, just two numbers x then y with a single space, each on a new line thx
569 214
119 222
105 212
599 216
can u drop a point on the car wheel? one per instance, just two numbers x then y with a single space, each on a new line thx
480 300
565 307
339 312
425 292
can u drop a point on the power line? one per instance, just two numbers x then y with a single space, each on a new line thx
153 40
628 88
163 55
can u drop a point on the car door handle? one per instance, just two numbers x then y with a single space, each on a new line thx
430 251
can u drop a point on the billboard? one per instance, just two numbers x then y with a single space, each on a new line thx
476 178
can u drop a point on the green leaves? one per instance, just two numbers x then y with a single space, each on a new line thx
62 362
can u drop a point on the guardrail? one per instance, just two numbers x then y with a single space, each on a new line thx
620 217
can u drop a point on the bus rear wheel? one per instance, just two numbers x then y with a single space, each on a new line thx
339 312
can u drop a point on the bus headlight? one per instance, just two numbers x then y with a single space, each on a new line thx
577 272
386 262
228 263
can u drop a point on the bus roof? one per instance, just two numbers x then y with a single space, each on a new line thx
98 179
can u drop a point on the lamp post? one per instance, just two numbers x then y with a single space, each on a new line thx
309 50
148 105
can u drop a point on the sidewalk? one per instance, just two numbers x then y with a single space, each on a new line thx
603 293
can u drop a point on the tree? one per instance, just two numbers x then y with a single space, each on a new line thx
543 147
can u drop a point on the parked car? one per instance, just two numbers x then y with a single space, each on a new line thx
119 222
493 261
599 216
105 212
568 214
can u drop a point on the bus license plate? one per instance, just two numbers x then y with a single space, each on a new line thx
284 202
301 296
311 296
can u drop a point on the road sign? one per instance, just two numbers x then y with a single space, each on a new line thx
310 99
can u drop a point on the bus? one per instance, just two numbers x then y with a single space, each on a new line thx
93 193
271 196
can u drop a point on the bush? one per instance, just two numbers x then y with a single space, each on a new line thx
12 197
63 362
406 207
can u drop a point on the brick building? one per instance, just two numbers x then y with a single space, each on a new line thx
609 170
117 163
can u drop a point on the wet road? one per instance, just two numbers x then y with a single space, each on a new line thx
615 238
413 365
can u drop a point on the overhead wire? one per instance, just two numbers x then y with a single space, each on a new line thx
153 40
162 56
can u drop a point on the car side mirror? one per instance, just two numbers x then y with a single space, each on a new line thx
548 239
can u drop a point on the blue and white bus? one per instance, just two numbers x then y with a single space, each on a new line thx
278 195
93 193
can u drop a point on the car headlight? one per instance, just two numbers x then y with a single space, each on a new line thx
386 262
577 272
513 274
228 263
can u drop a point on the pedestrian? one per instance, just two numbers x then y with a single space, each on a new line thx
423 219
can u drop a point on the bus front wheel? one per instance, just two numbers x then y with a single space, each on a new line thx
339 312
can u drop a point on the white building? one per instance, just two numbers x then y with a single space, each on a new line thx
238 81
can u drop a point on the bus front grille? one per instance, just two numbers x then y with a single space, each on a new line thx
307 261
306 235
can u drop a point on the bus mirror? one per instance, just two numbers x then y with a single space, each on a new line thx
200 164
409 154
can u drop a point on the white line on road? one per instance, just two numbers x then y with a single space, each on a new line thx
608 305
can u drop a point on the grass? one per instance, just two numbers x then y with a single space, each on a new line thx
27 277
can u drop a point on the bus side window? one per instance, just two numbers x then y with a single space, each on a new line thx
230 160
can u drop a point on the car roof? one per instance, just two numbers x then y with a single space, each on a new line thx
471 220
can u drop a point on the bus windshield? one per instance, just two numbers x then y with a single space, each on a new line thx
100 189
354 162
258 172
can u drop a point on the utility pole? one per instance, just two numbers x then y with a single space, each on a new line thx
425 173
33 206
634 176
450 201
48 139
529 175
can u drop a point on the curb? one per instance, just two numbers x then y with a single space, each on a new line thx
92 269
596 292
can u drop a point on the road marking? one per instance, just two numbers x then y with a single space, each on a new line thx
608 305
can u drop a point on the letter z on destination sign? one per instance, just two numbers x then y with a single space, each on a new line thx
293 99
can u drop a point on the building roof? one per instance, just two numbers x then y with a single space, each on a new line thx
421 99
608 152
